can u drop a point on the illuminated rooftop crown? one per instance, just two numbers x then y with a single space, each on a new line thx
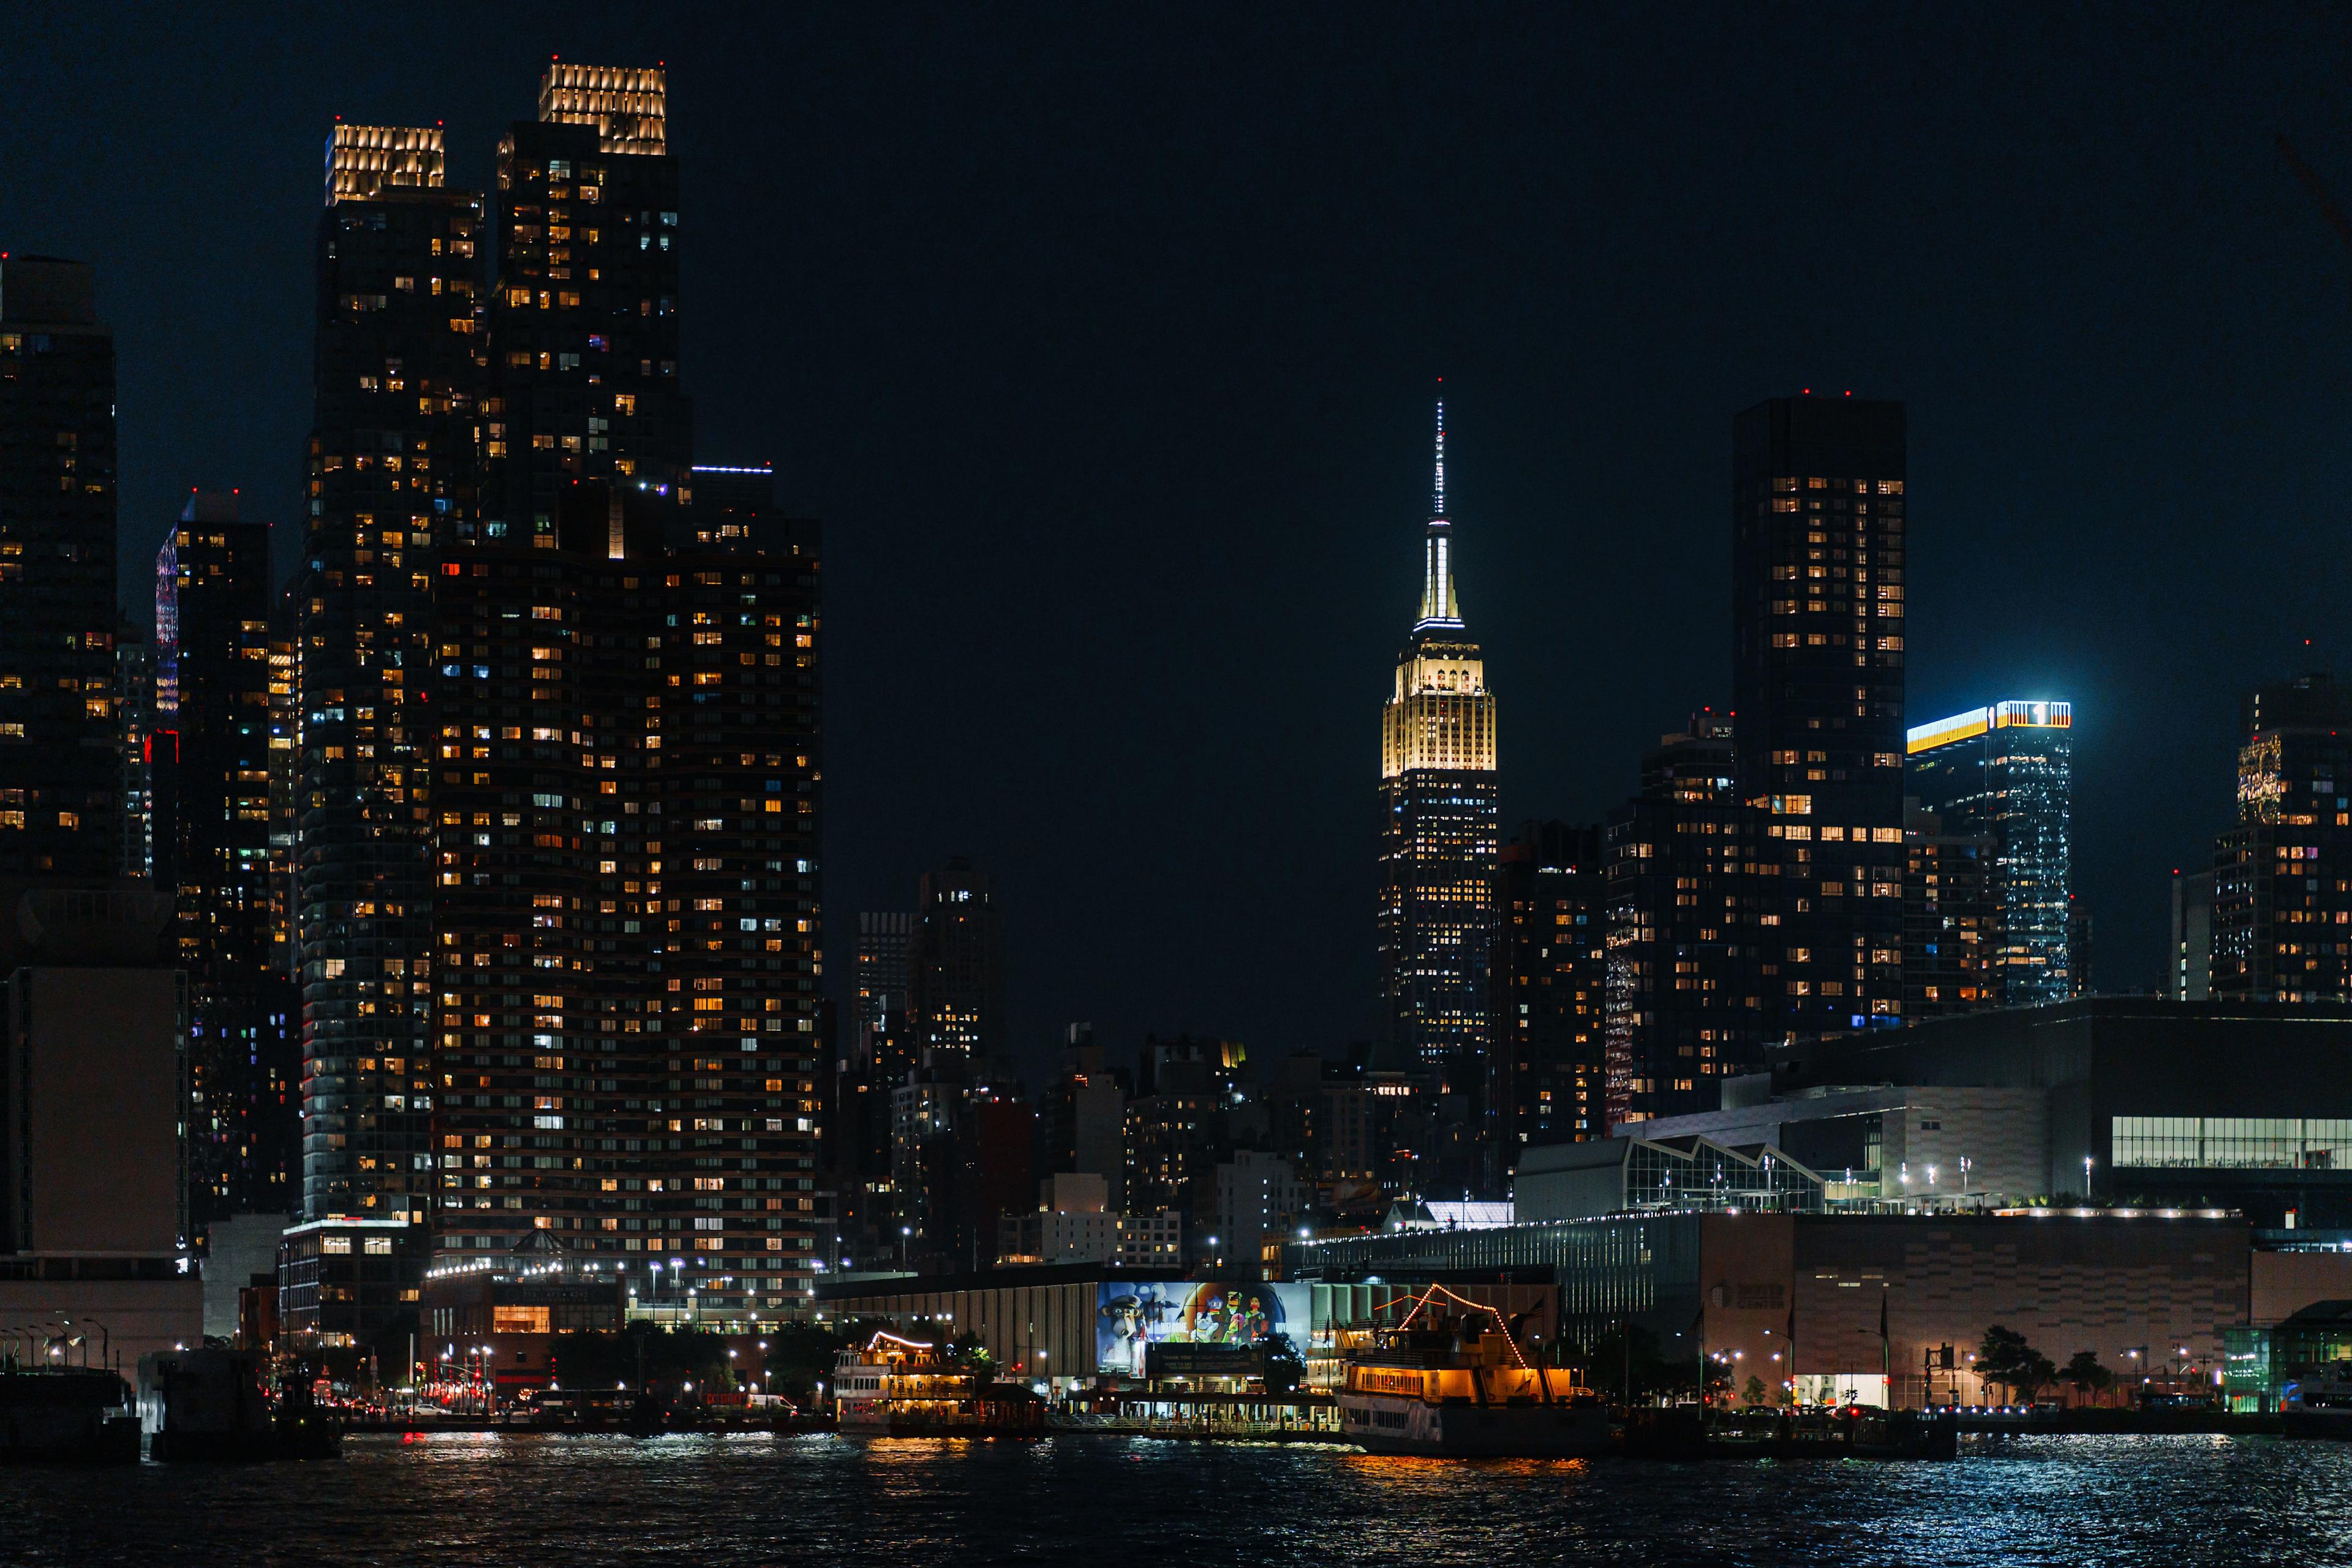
628 105
362 160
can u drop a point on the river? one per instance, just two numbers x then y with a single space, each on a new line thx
716 1502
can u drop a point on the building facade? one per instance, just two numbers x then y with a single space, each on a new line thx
1441 831
1548 1071
2147 1103
1951 922
558 787
955 967
61 763
210 784
1818 568
1691 958
2282 875
400 373
1852 1307
2004 773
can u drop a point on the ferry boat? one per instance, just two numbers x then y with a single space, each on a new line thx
1451 1379
894 1387
2319 1403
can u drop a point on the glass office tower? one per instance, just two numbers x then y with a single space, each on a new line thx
2005 773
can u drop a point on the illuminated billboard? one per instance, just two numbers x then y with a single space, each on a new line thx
1131 1315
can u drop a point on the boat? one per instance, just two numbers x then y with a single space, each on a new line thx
894 1387
209 1404
2318 1404
1452 1379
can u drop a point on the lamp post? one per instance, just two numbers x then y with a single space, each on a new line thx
105 1342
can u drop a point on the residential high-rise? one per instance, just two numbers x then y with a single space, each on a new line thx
2281 876
1691 906
627 915
2189 975
1952 918
210 742
628 799
1817 682
135 712
883 966
60 762
2005 773
1548 1074
285 759
585 315
1440 830
560 773
867 1076
399 372
955 975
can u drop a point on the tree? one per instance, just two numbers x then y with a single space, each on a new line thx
2005 1358
1627 1361
799 1354
1754 1392
1283 1365
2087 1374
640 1352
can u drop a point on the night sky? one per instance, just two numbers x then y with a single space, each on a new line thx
1104 346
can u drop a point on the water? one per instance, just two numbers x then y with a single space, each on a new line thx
715 1502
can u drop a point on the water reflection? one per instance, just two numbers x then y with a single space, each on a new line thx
721 1501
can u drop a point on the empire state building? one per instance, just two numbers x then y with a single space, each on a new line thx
1440 827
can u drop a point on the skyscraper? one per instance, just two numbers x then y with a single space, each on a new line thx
955 973
2280 899
1548 1074
559 769
627 800
399 363
1690 900
1952 918
61 763
1817 682
1440 831
627 915
2005 773
211 785
883 972
585 315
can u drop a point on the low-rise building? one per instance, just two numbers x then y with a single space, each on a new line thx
1856 1306
1922 1143
343 1279
1077 1326
2143 1102
497 1319
93 1200
1624 1174
1074 1224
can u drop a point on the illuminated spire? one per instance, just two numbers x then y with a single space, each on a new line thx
1438 605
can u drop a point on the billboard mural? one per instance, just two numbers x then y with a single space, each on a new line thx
1132 1314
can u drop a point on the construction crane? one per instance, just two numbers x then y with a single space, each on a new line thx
2317 187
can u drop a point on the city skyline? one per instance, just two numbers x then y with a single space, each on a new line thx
1588 544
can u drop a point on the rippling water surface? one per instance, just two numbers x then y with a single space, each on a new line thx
718 1501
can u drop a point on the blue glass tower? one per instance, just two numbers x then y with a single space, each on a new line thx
2005 773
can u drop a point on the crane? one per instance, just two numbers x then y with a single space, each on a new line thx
2317 187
